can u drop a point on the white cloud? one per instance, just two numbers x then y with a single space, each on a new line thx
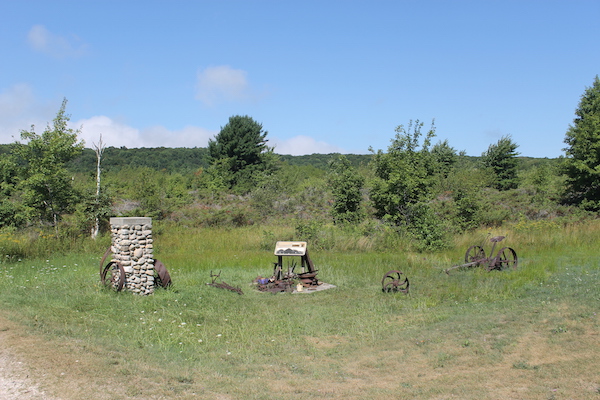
301 145
44 41
113 133
116 134
19 110
222 83
189 136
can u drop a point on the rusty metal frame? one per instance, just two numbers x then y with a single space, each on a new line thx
475 256
392 282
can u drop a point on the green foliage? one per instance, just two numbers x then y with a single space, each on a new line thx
314 232
12 247
44 182
582 164
181 160
545 183
346 185
239 154
459 199
88 208
501 159
403 175
12 213
321 161
404 178
445 157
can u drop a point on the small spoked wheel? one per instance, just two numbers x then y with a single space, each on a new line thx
506 259
393 281
475 254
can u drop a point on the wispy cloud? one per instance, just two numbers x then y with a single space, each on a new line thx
301 145
42 40
19 109
15 100
222 83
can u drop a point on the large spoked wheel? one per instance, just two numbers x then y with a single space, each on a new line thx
106 253
113 275
506 259
164 278
394 282
474 254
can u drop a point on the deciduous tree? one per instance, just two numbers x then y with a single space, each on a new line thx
45 183
346 185
402 188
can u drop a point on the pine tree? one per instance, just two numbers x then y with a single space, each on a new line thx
239 153
582 164
501 159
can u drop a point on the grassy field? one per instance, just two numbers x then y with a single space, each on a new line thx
530 333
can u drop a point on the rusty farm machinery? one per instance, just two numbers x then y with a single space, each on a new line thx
393 281
288 279
476 256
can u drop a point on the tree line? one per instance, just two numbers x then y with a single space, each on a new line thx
417 186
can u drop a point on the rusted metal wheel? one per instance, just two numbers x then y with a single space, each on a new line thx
393 282
106 253
164 279
474 254
506 259
116 279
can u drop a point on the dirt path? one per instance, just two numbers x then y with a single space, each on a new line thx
15 380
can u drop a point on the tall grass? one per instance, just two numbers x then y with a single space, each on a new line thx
192 329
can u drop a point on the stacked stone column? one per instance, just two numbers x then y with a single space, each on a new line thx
132 247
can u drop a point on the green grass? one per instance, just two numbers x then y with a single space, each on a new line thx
206 340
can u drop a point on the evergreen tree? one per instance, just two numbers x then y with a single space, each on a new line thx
582 163
501 159
445 156
239 153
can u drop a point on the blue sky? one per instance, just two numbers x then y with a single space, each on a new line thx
321 76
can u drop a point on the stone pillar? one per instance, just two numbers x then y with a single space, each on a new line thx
132 248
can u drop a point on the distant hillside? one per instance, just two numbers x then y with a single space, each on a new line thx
167 159
321 160
185 160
